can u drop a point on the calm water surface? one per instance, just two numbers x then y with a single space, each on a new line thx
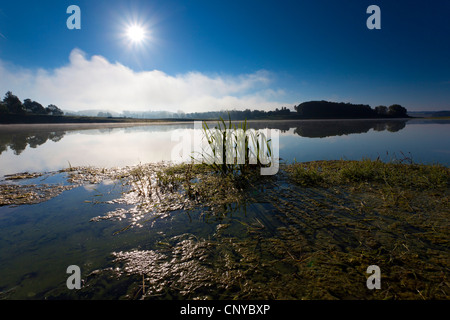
38 148
38 242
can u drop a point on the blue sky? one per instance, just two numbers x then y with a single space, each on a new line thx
207 55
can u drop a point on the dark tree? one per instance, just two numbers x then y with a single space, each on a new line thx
326 109
13 103
397 110
381 110
33 107
3 108
54 110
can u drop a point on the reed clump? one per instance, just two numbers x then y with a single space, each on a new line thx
236 149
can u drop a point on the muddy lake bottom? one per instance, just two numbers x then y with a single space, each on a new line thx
275 240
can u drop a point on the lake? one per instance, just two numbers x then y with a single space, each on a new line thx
54 147
39 241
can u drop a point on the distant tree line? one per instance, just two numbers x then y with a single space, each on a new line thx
11 104
102 114
326 109
281 113
248 114
306 110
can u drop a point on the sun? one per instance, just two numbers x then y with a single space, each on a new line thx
136 33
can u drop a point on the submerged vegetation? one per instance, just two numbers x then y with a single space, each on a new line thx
11 194
393 174
310 232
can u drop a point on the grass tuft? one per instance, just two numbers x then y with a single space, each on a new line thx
329 173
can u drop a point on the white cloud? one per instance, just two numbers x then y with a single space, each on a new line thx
96 83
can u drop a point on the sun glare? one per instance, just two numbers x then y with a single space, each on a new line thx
136 33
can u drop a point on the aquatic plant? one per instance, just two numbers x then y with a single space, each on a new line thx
329 173
307 234
236 149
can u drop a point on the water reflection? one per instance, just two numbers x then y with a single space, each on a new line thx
280 234
338 128
38 148
330 128
19 140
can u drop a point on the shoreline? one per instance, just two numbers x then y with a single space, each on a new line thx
81 125
118 124
322 226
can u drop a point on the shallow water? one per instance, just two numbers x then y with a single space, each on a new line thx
271 246
38 242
